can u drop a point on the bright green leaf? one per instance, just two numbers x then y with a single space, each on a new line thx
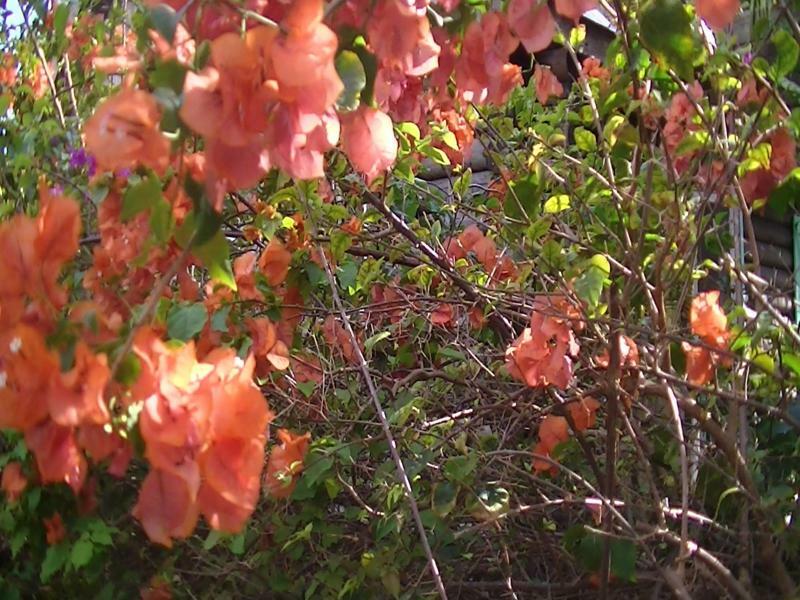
81 553
214 255
556 204
354 78
786 53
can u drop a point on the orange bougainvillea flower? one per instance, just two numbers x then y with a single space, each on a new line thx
34 251
401 38
274 262
231 479
547 84
783 158
583 413
629 354
553 430
124 133
244 271
532 22
27 367
204 427
13 481
594 69
337 337
76 397
353 226
443 314
543 354
54 529
299 137
266 344
157 589
8 70
482 71
708 320
58 457
369 142
717 13
166 507
700 364
285 463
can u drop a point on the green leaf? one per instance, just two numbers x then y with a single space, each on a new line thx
370 65
306 387
589 286
140 197
458 468
219 319
237 544
54 559
212 539
792 361
786 53
184 321
556 204
354 78
214 255
523 198
410 129
443 498
490 504
372 340
666 29
623 559
60 18
340 243
100 533
585 140
168 74
787 194
317 469
81 553
461 185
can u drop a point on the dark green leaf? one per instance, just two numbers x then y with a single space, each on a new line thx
184 321
81 552
54 559
219 320
140 197
443 499
623 559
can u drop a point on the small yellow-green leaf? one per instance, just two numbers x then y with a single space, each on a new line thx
556 204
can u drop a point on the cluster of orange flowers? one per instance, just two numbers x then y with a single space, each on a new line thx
543 354
554 430
708 322
62 413
204 427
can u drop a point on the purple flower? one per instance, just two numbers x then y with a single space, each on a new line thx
747 58
91 166
79 158
123 173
